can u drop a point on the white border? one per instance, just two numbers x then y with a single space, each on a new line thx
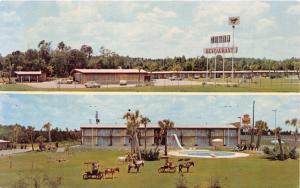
236 154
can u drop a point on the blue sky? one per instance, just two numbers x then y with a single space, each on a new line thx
153 29
72 110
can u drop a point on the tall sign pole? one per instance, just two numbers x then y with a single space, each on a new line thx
233 21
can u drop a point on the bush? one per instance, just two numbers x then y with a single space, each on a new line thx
150 154
274 154
267 150
293 154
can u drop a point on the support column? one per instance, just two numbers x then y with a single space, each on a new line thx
29 78
239 135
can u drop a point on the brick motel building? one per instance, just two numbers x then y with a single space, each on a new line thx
188 135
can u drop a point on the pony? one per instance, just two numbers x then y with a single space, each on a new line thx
111 171
136 165
186 165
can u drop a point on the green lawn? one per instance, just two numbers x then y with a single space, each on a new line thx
253 171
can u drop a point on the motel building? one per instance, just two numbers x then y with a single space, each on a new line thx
110 76
30 76
188 135
4 144
219 74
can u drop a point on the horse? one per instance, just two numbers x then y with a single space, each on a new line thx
111 171
136 164
186 165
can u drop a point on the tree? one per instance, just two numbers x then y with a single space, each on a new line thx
145 121
40 139
44 52
294 123
30 131
17 131
47 127
278 135
133 123
88 50
61 46
76 59
165 125
261 126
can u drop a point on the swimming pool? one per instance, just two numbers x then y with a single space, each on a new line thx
207 154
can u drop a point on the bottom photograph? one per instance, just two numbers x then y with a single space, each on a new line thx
149 140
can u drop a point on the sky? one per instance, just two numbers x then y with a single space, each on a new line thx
73 110
153 29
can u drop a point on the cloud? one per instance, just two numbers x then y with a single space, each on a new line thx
9 17
294 9
155 15
218 12
266 25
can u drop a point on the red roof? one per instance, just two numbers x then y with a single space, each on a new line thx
100 71
28 72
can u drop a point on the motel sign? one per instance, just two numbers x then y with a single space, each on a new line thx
220 39
220 50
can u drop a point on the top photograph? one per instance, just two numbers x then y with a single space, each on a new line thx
219 46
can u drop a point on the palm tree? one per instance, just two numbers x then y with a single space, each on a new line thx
17 130
165 125
88 50
261 126
145 121
61 46
47 127
278 135
294 123
133 123
30 131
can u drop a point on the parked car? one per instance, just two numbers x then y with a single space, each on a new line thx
92 84
172 78
65 81
196 77
123 82
178 78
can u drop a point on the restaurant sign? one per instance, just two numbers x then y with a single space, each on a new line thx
220 50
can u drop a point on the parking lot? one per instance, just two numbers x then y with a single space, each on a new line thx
157 82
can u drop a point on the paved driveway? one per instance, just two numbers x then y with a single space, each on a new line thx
13 151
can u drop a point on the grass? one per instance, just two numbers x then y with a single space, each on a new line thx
253 171
244 87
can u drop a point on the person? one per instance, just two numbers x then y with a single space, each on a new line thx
168 163
95 167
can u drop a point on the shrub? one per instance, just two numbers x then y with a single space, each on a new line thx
274 154
267 150
293 154
150 154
